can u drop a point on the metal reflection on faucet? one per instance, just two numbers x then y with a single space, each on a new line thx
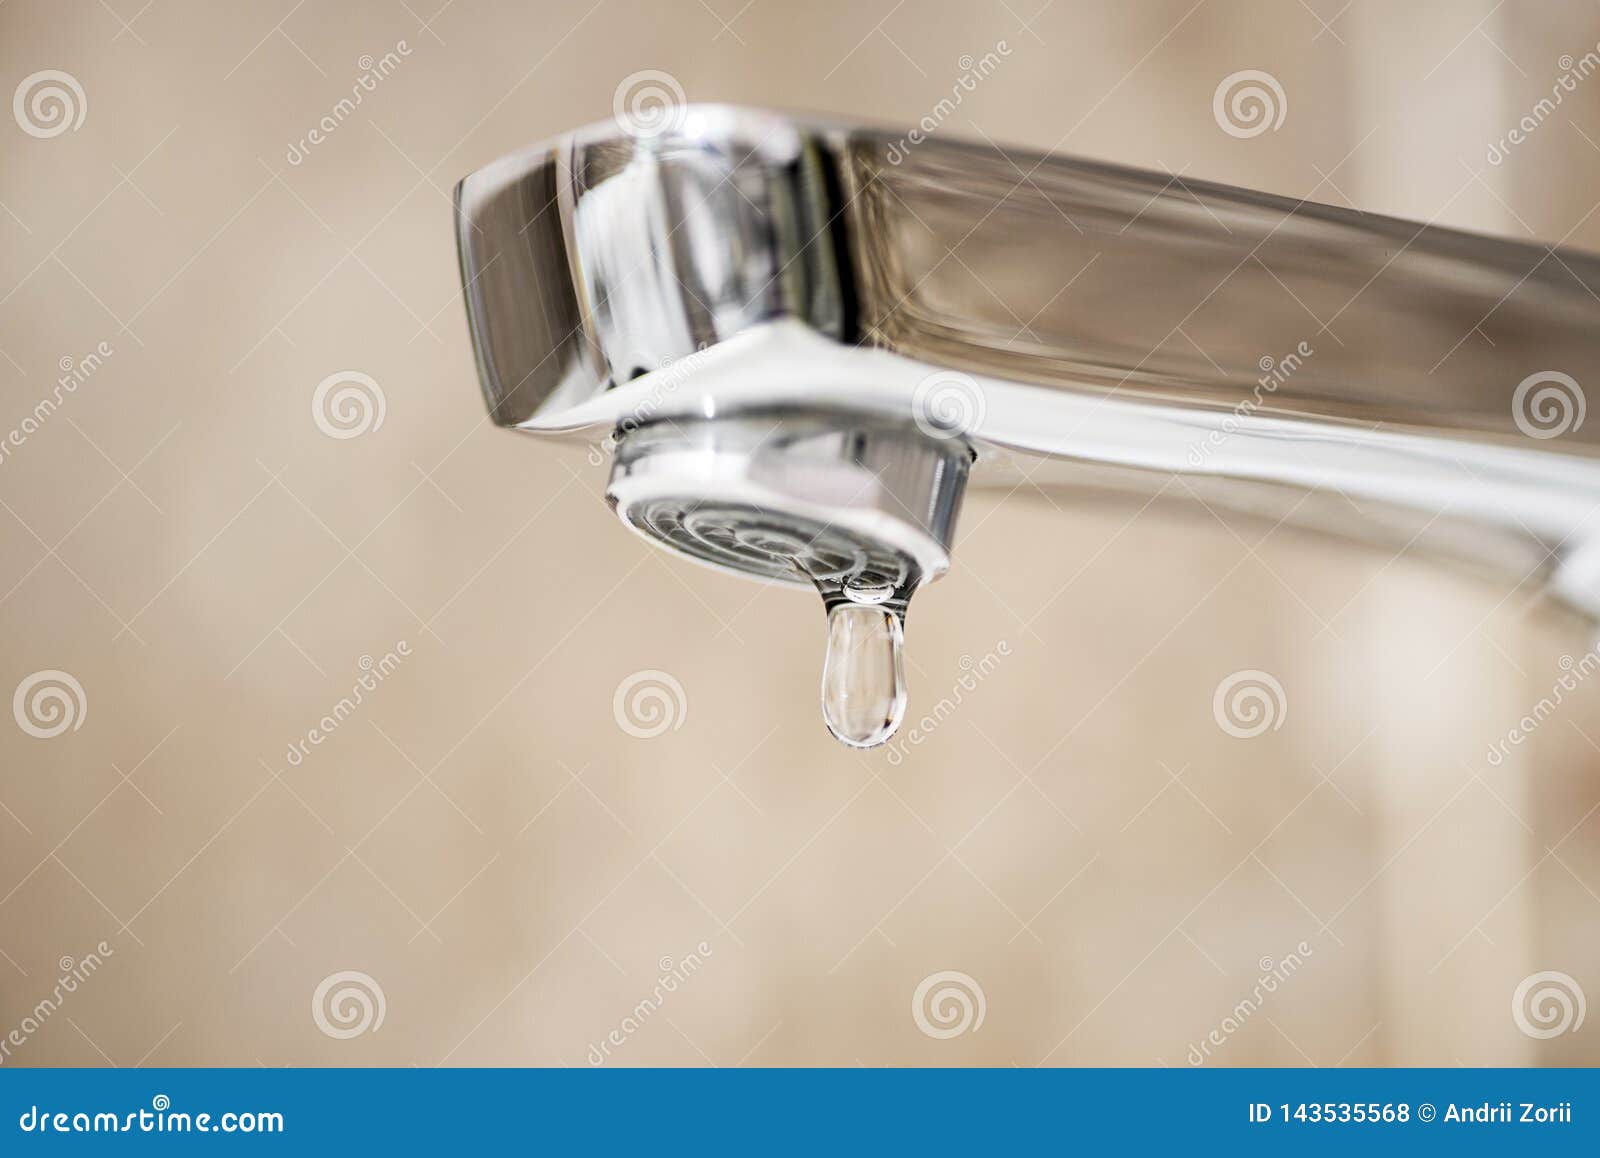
862 510
1117 327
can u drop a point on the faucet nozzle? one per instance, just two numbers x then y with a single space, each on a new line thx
862 511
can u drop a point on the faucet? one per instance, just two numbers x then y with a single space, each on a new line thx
800 341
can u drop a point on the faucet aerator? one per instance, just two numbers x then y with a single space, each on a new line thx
862 511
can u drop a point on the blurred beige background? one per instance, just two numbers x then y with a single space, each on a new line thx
480 840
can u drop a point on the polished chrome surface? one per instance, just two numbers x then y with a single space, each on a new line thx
1274 352
596 258
796 499
861 509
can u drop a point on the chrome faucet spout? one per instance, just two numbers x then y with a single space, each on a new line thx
1078 324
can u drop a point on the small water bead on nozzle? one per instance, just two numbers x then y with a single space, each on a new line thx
860 507
863 674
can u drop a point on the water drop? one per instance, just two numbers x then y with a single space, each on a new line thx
863 676
868 587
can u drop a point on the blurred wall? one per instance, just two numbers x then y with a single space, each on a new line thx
481 864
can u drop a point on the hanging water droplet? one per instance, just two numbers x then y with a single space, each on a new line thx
863 676
867 587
